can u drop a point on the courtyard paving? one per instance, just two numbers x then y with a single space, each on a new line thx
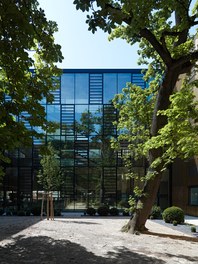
78 239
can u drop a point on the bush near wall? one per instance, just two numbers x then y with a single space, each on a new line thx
114 211
156 212
91 211
173 213
103 210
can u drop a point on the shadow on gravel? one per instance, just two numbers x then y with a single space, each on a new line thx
10 225
188 258
78 222
136 258
43 249
185 238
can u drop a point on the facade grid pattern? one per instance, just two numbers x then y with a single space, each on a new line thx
93 171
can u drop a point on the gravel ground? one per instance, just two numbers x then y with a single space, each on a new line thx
94 240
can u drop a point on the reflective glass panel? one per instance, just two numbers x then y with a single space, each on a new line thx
95 146
81 186
95 187
82 119
95 120
123 78
67 88
110 86
194 196
67 151
81 88
81 112
53 115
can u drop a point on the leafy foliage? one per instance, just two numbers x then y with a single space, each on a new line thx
178 137
103 210
91 124
27 42
91 211
173 213
135 106
50 176
168 49
114 211
156 212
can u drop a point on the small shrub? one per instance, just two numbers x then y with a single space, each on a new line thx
36 210
125 212
156 212
91 211
103 210
21 213
175 223
123 204
28 212
9 213
173 213
14 212
1 211
114 211
57 212
151 217
193 229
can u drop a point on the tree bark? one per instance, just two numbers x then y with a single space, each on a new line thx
150 189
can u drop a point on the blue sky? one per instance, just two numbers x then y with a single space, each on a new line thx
81 48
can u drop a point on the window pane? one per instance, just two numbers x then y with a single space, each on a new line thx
110 86
67 151
95 120
80 112
81 88
53 115
123 78
194 196
67 89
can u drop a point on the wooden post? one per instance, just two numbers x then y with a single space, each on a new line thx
51 207
47 206
43 197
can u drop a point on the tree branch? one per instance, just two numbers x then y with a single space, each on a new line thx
185 59
163 52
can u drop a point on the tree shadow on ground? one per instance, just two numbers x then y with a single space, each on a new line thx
127 254
10 225
188 258
77 222
176 237
43 249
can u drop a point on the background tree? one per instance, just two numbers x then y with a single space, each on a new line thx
167 43
50 176
26 42
177 138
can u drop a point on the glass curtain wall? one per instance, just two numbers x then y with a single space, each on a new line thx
93 172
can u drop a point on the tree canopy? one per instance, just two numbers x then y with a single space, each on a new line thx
50 175
26 43
163 31
177 138
149 22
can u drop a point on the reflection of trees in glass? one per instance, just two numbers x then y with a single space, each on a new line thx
65 149
97 126
93 125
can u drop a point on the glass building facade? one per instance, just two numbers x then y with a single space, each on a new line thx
93 172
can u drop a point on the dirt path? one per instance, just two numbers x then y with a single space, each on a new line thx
91 241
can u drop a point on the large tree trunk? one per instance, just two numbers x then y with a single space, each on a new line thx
151 187
138 220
